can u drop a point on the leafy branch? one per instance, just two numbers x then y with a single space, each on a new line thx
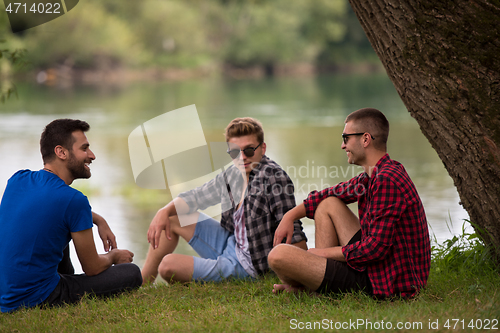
17 59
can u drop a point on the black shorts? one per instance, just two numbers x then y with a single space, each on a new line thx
339 277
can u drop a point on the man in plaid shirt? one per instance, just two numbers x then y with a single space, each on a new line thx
386 252
254 193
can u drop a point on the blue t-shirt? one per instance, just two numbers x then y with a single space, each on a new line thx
38 212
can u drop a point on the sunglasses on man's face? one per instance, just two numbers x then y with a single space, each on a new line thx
249 152
345 137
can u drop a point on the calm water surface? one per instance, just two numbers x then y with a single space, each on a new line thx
302 117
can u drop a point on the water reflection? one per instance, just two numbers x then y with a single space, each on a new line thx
303 119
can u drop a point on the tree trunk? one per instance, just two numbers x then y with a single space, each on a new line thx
444 60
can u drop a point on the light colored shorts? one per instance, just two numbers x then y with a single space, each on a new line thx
216 247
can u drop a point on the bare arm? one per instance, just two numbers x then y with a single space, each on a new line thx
329 253
107 236
92 262
161 220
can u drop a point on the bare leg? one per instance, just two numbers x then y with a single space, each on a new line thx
302 245
165 247
297 269
177 268
335 223
153 259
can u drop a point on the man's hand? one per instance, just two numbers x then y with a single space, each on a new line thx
284 230
93 263
107 236
121 256
160 222
286 227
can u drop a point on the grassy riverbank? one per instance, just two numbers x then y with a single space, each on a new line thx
463 290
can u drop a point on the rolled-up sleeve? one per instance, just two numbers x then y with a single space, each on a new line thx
348 192
206 195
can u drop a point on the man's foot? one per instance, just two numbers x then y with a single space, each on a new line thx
278 288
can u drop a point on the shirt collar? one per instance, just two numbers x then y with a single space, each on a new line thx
383 161
263 162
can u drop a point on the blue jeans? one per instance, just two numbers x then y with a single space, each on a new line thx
216 247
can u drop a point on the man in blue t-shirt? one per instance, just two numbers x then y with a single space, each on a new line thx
40 213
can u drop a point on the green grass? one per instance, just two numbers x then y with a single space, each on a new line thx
464 284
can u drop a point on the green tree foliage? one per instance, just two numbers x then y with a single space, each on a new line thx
351 48
7 58
12 56
265 33
173 32
280 31
88 37
189 33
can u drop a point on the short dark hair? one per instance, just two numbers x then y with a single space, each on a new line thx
374 122
59 132
244 126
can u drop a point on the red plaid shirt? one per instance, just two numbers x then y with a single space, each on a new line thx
394 246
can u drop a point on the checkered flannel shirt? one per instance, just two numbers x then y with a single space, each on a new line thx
270 194
394 246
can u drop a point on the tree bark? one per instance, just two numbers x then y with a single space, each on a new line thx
444 60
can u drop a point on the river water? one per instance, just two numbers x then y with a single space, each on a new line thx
302 118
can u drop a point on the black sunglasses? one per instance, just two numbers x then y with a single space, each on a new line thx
346 136
249 152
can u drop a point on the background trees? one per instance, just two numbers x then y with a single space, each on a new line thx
195 33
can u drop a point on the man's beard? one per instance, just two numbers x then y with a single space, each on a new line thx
76 168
